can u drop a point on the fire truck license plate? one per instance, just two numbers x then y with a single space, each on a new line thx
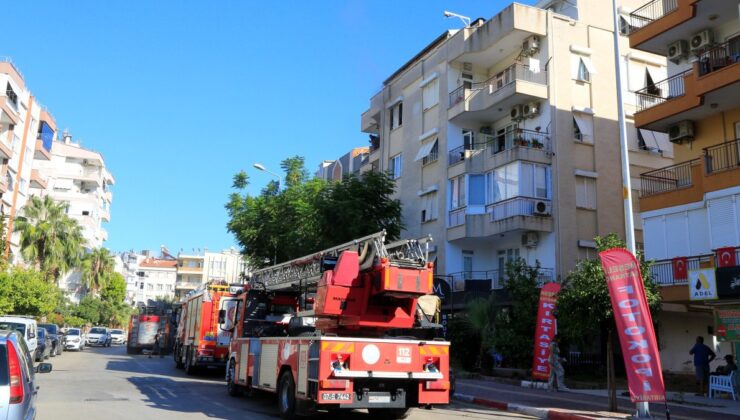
336 396
403 355
379 399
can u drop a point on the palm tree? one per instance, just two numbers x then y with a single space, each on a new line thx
96 267
49 238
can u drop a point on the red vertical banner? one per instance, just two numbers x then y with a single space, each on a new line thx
635 325
726 257
680 268
545 331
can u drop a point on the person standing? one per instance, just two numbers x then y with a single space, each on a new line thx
702 356
157 345
557 372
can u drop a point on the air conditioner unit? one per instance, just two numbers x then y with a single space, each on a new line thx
701 40
678 50
517 112
531 109
542 208
531 46
681 131
530 239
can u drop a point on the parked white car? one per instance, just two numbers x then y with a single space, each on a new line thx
118 336
74 339
25 325
98 336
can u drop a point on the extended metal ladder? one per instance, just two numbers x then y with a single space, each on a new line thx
305 272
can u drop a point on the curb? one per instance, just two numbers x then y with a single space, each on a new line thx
542 413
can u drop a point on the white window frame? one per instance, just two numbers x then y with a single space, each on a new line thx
430 94
585 123
586 194
430 207
396 166
458 196
396 115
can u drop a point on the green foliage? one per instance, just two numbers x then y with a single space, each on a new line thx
516 323
72 321
465 341
114 290
584 307
308 215
99 312
97 267
49 238
26 292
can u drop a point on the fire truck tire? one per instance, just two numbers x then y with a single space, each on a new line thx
286 396
177 355
189 368
232 388
389 413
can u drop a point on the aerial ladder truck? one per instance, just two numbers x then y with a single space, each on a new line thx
349 327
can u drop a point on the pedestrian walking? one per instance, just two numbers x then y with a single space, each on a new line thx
557 372
702 356
157 345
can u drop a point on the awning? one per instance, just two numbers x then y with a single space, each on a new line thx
585 125
589 65
425 149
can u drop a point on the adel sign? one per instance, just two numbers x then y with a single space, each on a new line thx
702 284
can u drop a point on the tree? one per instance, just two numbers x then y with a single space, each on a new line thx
96 269
584 308
516 322
114 290
49 238
25 291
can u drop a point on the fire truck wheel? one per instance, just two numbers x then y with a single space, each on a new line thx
286 396
189 368
177 355
389 413
231 387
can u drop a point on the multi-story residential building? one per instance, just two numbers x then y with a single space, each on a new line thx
691 209
226 266
127 264
349 163
189 273
26 133
157 278
503 139
78 177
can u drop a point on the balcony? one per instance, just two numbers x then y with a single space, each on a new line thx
490 279
370 120
492 151
660 22
493 99
184 285
689 181
662 271
105 215
37 181
5 151
514 214
709 87
189 270
43 149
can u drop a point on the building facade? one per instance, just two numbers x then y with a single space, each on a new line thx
156 279
27 130
349 163
504 142
189 273
691 208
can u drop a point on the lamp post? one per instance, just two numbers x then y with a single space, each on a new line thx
262 168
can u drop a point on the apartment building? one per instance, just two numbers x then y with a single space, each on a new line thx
189 273
26 132
156 279
350 163
77 176
503 139
691 208
227 266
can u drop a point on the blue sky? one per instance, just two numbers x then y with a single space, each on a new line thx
180 95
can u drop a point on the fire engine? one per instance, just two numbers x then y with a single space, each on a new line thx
202 340
348 327
142 328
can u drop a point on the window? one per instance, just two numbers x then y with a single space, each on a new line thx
141 286
624 26
582 68
396 115
585 192
467 264
650 84
150 287
468 139
9 178
12 96
395 166
519 179
159 287
477 186
457 192
433 155
506 256
430 94
430 207
583 127
583 74
85 212
22 185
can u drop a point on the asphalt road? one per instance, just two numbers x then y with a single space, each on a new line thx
106 383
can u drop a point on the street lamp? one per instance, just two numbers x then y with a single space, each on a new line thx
464 19
262 168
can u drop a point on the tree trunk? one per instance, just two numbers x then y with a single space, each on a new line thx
610 380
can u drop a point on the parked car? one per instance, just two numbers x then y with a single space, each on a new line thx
43 348
17 377
25 325
56 338
74 339
98 336
118 336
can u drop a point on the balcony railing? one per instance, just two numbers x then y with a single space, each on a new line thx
719 56
666 179
722 156
432 157
496 278
517 138
456 217
662 271
651 12
662 91
509 75
516 206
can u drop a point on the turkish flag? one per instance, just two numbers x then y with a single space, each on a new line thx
680 268
726 257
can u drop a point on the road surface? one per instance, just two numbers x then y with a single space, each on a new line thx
106 383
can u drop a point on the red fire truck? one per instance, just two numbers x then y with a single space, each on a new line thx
143 327
342 329
202 339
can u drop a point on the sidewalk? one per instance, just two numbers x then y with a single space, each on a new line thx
584 404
